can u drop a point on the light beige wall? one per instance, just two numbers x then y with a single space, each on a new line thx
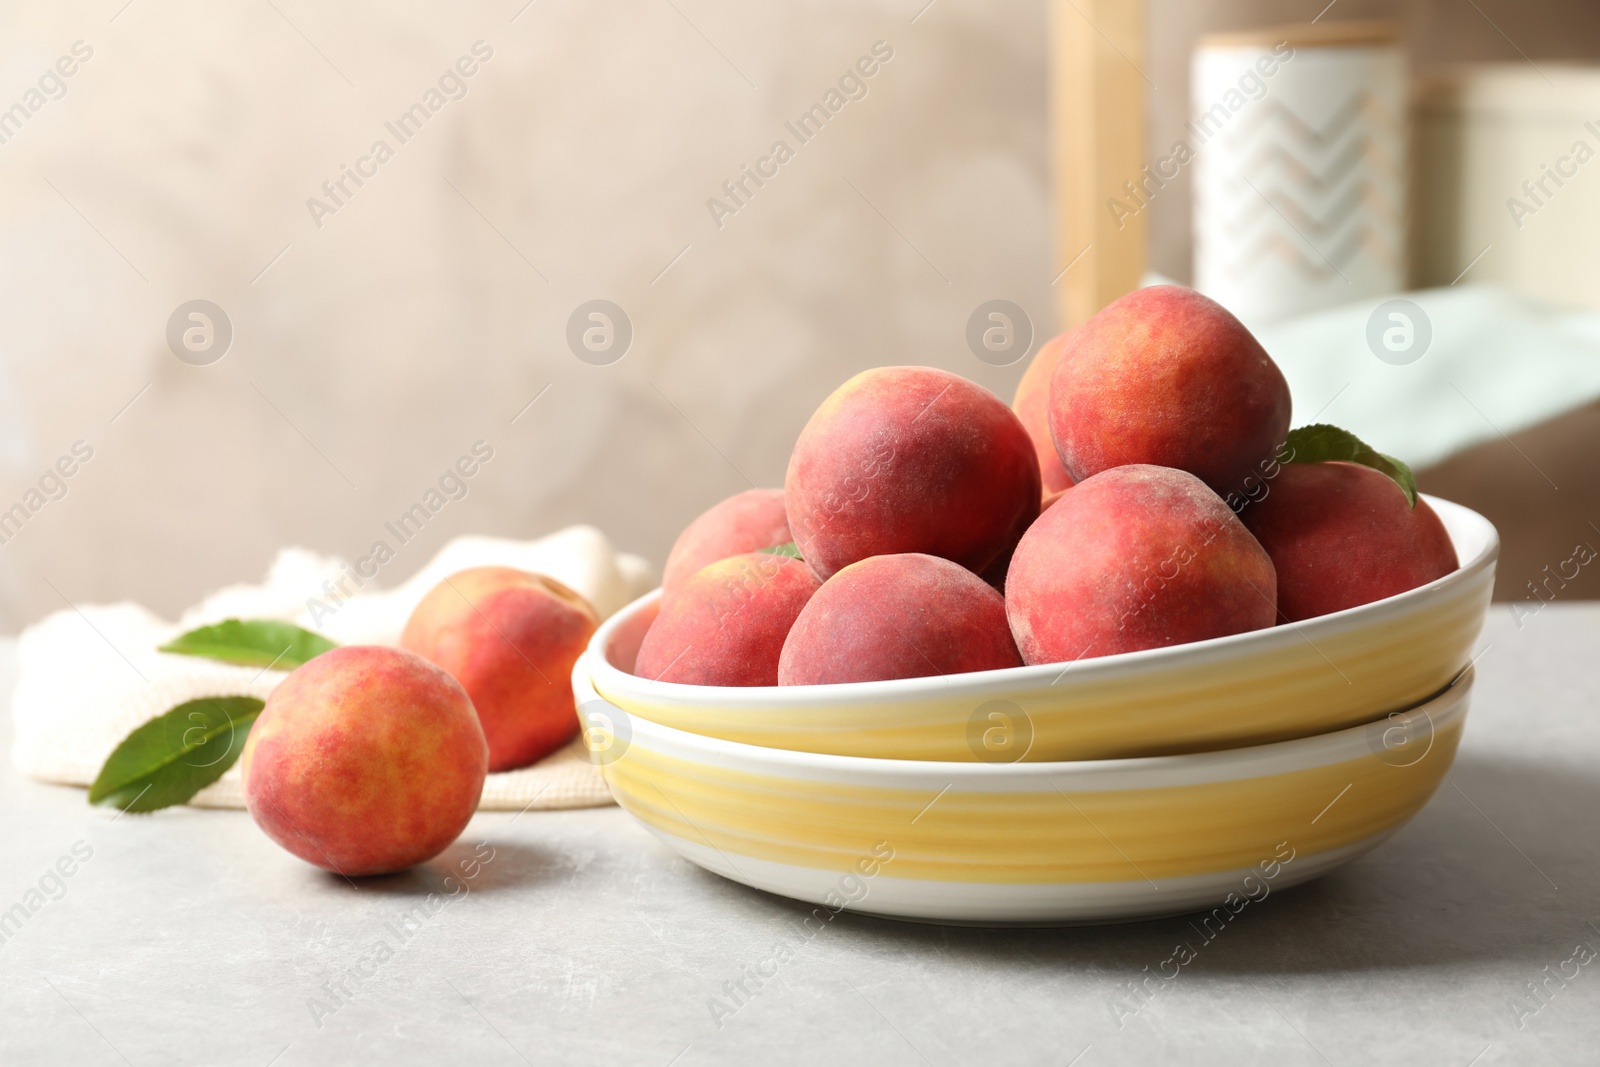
432 307
422 317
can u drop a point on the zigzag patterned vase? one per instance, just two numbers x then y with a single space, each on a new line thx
1298 142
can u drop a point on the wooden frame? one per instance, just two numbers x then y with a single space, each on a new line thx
1097 89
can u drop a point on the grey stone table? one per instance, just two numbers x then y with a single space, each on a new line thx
573 937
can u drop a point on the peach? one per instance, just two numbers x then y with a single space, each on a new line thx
1168 377
1032 405
366 760
901 616
1341 534
1135 557
745 522
510 638
910 459
726 624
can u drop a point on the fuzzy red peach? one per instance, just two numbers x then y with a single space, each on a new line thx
510 638
1341 534
1032 405
365 760
1135 557
1168 377
899 616
745 522
910 459
726 624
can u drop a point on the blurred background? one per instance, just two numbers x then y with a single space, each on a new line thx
373 314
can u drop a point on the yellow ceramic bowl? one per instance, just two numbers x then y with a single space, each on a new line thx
1269 685
1092 841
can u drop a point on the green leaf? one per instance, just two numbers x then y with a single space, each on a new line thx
1321 443
791 550
252 643
171 758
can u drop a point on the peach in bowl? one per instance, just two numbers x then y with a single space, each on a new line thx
1289 681
1025 843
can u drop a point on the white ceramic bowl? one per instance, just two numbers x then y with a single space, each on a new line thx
1034 843
1268 685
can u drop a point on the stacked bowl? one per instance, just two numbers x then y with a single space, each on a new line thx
1125 786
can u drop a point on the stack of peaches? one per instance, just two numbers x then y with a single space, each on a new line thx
1142 492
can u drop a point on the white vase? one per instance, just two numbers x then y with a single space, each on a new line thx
1299 160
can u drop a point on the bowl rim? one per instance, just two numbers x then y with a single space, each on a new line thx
1461 523
1441 711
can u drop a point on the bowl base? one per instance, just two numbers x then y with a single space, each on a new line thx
1019 905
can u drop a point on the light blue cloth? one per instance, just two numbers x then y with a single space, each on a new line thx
1497 363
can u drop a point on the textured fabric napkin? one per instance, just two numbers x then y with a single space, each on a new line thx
89 676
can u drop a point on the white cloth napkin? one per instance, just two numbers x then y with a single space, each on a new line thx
88 676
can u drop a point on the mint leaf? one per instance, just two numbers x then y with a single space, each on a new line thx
252 643
791 550
1321 443
172 757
